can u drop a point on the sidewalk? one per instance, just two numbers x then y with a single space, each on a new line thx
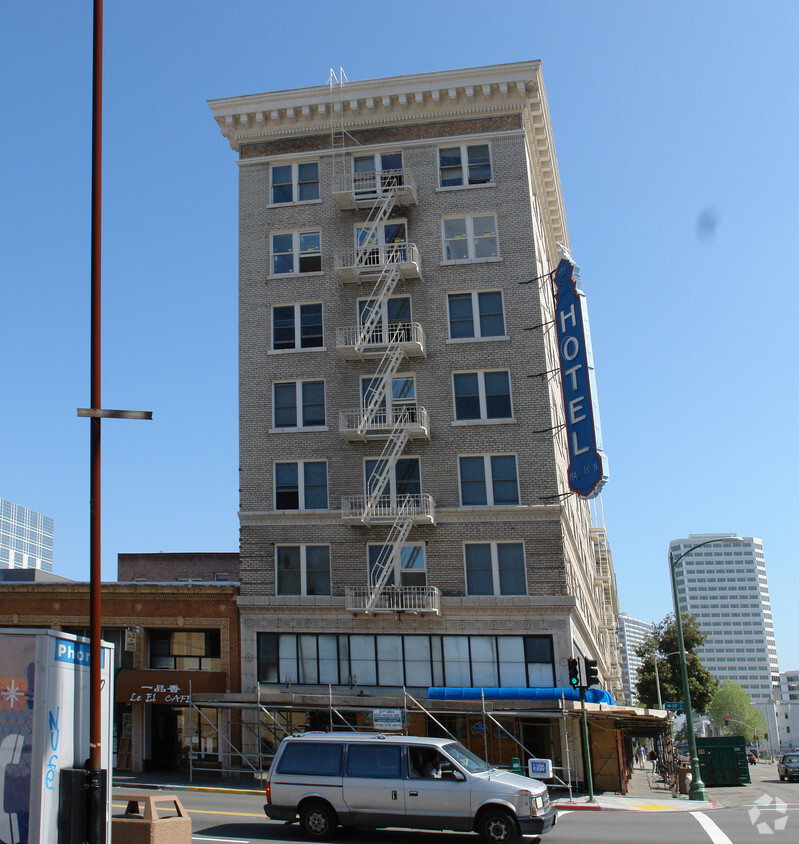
646 793
243 783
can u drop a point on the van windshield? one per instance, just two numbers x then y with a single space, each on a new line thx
465 758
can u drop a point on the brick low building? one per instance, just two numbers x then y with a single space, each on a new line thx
177 663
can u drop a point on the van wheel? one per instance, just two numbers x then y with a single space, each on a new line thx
318 820
496 826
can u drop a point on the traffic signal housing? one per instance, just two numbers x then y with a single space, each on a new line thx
726 720
574 673
591 673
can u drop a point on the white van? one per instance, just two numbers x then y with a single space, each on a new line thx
375 780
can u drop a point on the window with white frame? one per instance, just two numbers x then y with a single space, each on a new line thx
299 404
494 568
406 566
296 182
476 315
403 482
384 243
303 569
301 485
488 480
394 319
297 327
397 402
471 238
465 164
483 395
296 253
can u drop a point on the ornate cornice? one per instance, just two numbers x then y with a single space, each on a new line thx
330 113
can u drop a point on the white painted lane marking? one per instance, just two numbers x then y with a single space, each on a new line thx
714 833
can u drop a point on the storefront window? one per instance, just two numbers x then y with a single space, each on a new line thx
185 650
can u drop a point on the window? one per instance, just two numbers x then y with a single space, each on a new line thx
185 650
317 759
384 245
470 238
482 395
413 660
295 182
299 404
495 568
301 485
394 318
485 305
303 569
404 481
295 253
407 567
396 405
370 171
474 158
373 761
488 480
297 327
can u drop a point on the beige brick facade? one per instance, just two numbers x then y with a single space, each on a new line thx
505 108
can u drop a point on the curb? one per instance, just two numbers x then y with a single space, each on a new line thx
201 788
580 807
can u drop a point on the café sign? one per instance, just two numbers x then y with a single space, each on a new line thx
587 462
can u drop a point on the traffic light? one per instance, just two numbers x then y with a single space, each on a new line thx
757 737
591 673
726 720
574 673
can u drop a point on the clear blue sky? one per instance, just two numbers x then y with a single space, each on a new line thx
676 132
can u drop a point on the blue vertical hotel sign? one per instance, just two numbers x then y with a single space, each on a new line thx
587 462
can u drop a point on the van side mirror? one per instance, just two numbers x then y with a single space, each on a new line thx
457 775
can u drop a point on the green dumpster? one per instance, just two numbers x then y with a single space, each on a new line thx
722 760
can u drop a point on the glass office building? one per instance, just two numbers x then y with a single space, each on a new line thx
26 538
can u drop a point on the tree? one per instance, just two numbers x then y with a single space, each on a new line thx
732 702
663 643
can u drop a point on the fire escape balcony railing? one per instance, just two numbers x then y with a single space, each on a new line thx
408 336
360 190
412 418
420 509
366 262
413 599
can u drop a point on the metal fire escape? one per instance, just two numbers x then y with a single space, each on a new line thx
390 343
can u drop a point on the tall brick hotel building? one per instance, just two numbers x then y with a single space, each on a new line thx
406 515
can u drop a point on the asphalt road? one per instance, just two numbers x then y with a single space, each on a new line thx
763 812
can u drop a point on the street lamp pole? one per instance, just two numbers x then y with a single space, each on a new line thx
697 790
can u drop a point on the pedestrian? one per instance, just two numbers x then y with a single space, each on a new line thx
653 758
640 756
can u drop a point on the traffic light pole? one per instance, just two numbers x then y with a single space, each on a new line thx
589 777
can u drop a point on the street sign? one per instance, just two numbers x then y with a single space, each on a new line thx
387 719
673 704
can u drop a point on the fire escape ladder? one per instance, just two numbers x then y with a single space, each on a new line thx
384 565
378 301
378 396
386 463
381 210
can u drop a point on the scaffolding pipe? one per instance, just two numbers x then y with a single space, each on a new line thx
429 714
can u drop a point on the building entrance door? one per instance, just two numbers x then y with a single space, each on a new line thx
166 739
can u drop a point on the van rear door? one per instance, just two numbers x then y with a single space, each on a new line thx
374 789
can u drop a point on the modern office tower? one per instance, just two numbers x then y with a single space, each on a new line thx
406 516
724 585
631 633
26 538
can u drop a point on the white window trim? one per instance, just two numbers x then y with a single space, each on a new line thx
298 399
297 328
300 486
478 338
303 546
384 309
470 259
464 148
294 164
387 387
483 420
398 560
489 481
295 252
392 482
495 569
